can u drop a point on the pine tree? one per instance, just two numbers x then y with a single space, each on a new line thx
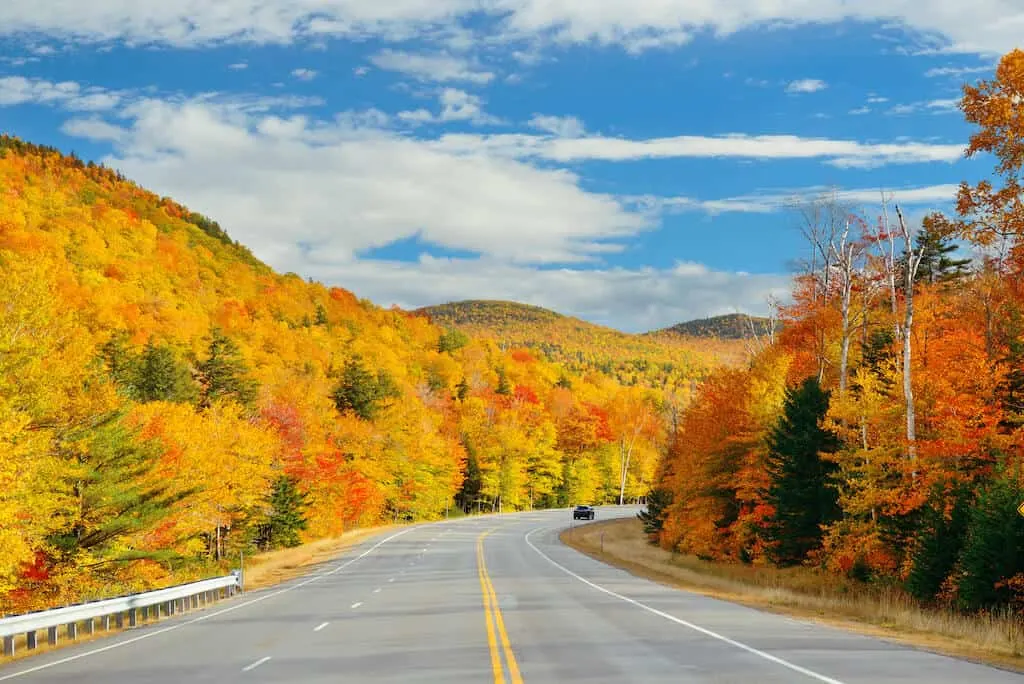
462 390
937 263
801 490
940 541
224 373
120 362
286 515
653 517
994 548
360 392
160 377
504 388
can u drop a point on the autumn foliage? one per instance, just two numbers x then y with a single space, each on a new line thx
920 355
167 401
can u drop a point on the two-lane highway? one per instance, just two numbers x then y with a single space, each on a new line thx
490 599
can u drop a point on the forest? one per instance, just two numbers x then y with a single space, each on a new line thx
167 401
880 436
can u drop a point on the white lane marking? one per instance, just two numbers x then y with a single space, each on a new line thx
170 628
377 590
392 579
356 604
678 621
320 626
256 664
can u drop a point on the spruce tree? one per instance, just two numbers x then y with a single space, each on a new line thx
801 490
940 541
994 548
224 372
653 517
160 377
938 265
362 393
286 516
504 388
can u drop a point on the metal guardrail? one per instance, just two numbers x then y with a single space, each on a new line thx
155 604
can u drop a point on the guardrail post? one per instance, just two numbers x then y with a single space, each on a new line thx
119 620
144 612
51 635
89 626
30 641
106 623
195 601
169 607
133 617
72 630
8 646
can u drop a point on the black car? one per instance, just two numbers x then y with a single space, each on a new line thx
583 512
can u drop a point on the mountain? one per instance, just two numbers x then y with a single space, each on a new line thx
168 401
583 347
727 327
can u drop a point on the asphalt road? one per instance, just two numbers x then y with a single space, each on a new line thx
487 599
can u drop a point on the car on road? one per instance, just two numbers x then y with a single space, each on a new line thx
583 512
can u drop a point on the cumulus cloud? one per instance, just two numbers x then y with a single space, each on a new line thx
439 67
561 126
304 74
982 26
17 90
806 85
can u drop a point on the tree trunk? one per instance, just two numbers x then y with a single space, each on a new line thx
908 327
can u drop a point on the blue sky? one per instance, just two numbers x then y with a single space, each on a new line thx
626 161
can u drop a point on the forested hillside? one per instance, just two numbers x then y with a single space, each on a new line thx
583 347
167 401
882 436
727 327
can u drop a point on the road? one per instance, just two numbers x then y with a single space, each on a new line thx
496 598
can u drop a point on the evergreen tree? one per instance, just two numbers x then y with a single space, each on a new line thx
940 541
120 362
286 516
938 265
462 390
994 548
801 489
160 377
361 392
108 477
321 315
472 485
224 373
504 388
653 517
452 340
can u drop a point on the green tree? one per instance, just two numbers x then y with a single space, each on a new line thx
452 340
160 377
938 263
361 392
504 388
940 540
120 361
801 492
462 390
994 547
224 373
286 517
653 517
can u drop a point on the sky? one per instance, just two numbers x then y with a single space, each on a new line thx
630 162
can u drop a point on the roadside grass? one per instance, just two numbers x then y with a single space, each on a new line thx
809 593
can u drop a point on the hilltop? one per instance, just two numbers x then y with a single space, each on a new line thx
728 327
585 347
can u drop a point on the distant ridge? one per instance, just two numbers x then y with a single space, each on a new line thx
727 327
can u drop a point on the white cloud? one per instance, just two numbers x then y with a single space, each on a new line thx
877 99
982 26
304 74
238 66
840 153
860 110
17 90
561 126
431 67
806 85
958 72
634 300
771 202
279 182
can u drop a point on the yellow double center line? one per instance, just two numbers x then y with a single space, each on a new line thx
495 623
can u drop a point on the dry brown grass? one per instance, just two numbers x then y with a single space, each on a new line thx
274 567
806 593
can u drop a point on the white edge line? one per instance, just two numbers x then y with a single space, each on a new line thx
684 623
356 604
320 626
207 616
253 666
